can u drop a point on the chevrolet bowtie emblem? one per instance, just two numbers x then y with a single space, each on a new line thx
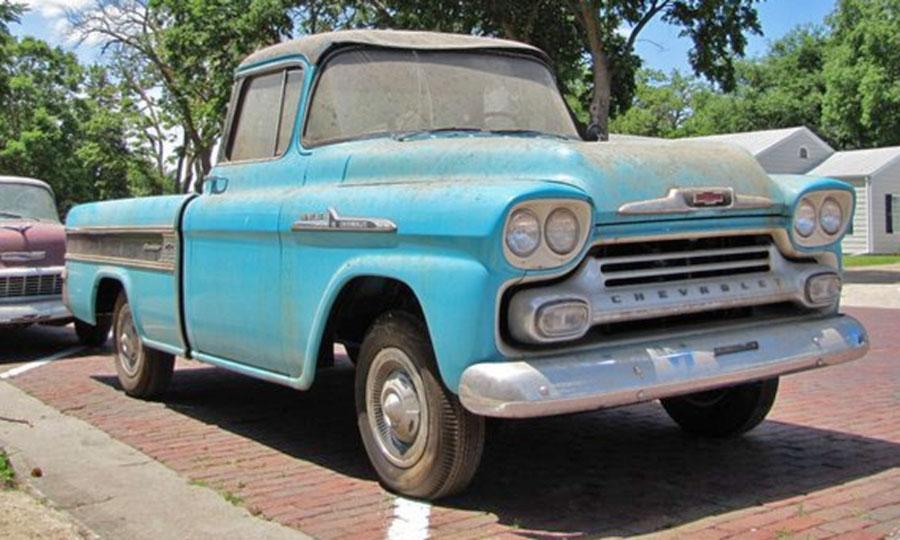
709 198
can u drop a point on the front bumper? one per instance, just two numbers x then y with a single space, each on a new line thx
637 372
34 311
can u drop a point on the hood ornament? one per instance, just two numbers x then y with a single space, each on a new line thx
23 256
681 200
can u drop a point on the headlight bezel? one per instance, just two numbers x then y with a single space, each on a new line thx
819 236
544 257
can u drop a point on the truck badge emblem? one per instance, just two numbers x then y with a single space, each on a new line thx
709 198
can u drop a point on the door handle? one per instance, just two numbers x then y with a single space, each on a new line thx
217 184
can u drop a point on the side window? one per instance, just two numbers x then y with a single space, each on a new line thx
264 118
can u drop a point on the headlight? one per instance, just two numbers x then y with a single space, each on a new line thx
831 217
546 233
523 234
805 219
562 231
820 217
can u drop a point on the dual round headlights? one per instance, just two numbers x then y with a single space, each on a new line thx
829 216
561 231
546 233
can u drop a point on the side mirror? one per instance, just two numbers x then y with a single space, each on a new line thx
592 133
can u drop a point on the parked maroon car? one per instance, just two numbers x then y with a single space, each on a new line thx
32 253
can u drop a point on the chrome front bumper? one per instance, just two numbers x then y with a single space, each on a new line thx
633 373
33 311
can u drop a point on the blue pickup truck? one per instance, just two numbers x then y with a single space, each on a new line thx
427 202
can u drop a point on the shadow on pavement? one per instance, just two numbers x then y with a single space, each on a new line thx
35 342
873 276
623 468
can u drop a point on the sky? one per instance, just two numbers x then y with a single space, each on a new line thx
659 44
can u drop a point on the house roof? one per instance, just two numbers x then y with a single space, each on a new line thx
757 142
857 162
315 46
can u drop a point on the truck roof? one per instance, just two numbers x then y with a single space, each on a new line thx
24 180
315 47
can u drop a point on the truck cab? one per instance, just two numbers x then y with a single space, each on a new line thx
426 201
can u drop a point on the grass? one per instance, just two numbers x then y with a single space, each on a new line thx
851 261
227 495
7 474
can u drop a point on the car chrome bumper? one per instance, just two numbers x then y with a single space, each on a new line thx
34 311
633 373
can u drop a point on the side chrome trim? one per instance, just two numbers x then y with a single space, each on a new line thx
682 200
633 373
121 261
148 248
331 221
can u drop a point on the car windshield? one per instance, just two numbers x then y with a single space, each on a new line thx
372 92
23 201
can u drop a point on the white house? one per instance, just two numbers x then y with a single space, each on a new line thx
793 150
875 174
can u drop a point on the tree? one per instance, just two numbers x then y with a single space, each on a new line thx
716 28
661 105
862 74
187 51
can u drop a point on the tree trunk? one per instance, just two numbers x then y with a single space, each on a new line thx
600 100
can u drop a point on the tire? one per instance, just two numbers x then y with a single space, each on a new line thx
432 447
93 335
143 372
724 412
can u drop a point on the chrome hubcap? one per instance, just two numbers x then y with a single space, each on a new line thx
128 342
396 409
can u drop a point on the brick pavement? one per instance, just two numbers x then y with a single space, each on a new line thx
826 463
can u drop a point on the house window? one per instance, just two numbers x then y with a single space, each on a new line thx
804 153
891 213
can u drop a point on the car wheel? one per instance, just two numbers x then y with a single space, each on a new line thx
418 436
143 372
93 335
724 412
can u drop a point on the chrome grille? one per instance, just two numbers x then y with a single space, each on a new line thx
38 285
679 260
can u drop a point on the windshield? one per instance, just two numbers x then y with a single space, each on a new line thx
366 92
23 201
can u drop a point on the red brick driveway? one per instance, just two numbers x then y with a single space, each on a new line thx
826 463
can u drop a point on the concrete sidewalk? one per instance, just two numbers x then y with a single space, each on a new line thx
872 286
113 489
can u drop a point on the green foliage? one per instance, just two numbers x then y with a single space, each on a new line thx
62 123
661 105
861 105
7 474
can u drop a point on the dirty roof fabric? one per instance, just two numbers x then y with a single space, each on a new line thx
315 46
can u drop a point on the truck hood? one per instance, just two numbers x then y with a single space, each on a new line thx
625 180
31 243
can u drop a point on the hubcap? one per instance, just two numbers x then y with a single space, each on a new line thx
128 342
396 409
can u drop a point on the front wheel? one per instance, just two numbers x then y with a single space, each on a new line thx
143 372
723 412
418 436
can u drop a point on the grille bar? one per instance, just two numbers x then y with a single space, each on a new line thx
24 286
659 262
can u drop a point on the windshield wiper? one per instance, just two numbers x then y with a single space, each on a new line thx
534 132
405 135
11 214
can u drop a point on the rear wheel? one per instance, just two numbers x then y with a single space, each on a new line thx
93 335
142 372
723 412
418 436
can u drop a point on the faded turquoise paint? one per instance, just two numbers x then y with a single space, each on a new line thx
258 294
